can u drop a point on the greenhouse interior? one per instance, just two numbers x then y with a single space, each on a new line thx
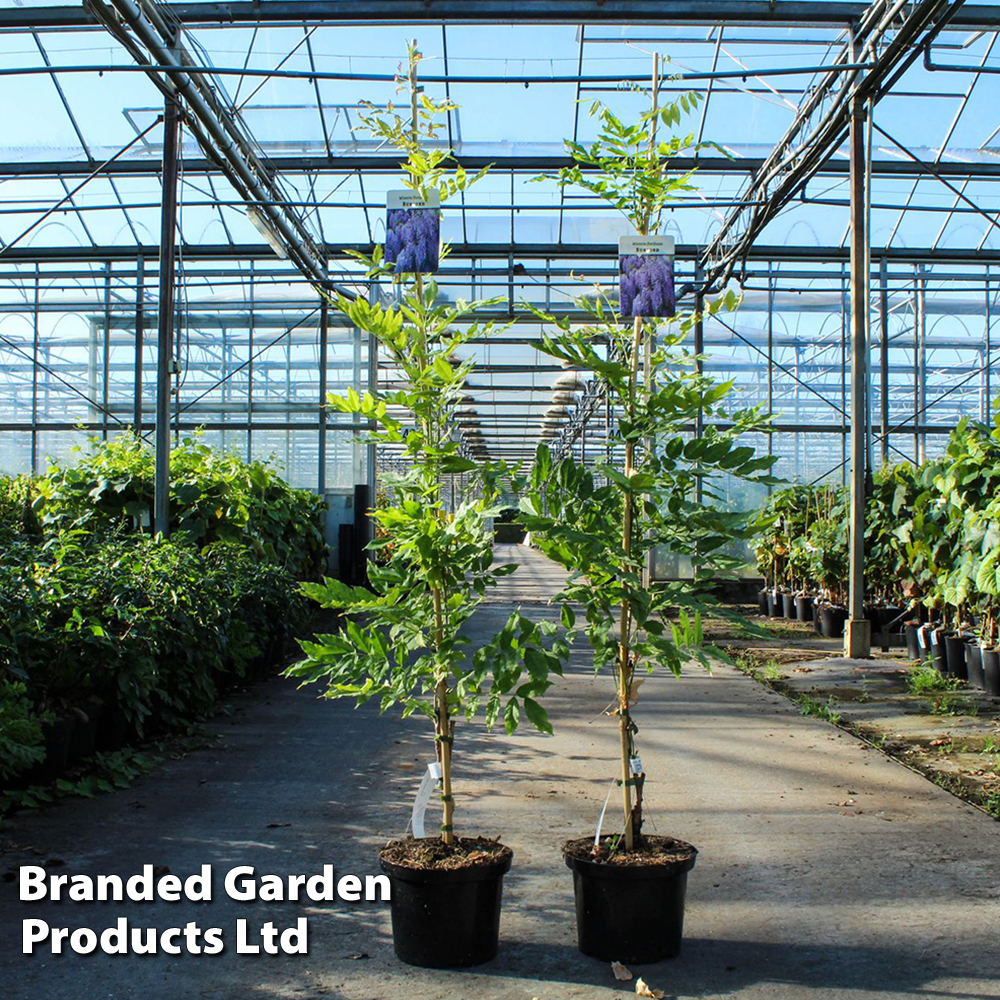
389 389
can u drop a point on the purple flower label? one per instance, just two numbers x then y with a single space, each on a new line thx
412 239
646 285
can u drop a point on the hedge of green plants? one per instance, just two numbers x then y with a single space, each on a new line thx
108 633
932 535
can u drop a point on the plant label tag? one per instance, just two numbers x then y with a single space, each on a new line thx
646 277
636 765
412 232
427 784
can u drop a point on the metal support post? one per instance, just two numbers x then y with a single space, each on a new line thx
324 316
883 308
920 413
857 635
699 349
106 354
165 319
140 330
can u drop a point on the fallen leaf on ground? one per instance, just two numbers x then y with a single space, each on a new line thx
642 990
620 971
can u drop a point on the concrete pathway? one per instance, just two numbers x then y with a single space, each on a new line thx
826 870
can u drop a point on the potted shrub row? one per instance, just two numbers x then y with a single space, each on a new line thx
931 552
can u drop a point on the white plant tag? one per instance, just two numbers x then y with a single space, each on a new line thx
600 819
636 765
427 785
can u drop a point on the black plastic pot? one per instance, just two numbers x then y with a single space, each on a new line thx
890 616
939 652
991 672
924 638
818 618
804 608
774 604
974 664
629 913
56 738
912 630
446 919
788 605
954 647
762 602
84 738
114 729
832 620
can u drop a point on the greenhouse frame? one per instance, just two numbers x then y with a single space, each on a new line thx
450 358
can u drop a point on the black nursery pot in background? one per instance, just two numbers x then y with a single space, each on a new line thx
762 601
804 608
912 640
832 619
630 913
788 605
974 664
991 672
446 919
954 647
939 652
774 604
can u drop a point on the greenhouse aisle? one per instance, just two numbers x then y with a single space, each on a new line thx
826 870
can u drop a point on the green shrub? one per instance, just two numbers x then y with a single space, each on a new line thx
214 496
93 605
20 731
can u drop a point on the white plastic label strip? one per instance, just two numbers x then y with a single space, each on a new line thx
600 819
636 763
427 784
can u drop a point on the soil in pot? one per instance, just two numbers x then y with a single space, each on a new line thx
991 672
912 630
630 907
445 899
788 605
832 619
974 664
804 608
762 601
954 650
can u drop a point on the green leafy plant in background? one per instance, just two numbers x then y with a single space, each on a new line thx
781 533
97 615
214 496
827 544
402 642
21 745
603 523
887 571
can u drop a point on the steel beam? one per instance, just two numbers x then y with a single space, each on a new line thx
283 12
373 163
857 634
495 251
889 32
147 33
165 319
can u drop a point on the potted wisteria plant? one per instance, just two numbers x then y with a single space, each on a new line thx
402 643
603 522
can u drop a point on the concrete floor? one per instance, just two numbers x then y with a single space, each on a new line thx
826 870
